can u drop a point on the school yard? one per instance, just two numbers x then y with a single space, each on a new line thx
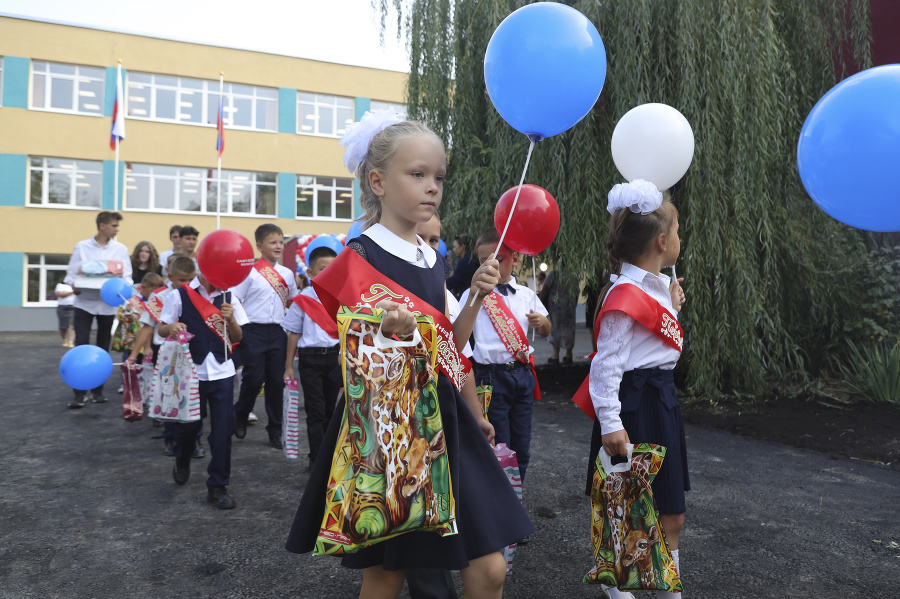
88 508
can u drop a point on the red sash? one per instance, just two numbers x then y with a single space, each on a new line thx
351 281
154 305
274 279
634 302
511 334
315 310
211 315
137 304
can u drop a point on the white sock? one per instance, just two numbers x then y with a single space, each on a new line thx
668 594
615 593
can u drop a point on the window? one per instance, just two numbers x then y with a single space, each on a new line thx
44 271
196 101
159 188
67 88
1 81
65 182
398 108
324 197
318 114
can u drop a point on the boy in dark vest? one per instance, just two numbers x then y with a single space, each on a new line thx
265 295
214 318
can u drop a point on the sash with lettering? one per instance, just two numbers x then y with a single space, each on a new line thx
511 334
211 315
315 310
274 279
137 304
154 305
634 302
351 281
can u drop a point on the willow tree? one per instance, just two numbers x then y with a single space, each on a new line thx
764 267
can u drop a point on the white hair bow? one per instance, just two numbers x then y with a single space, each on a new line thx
638 196
358 136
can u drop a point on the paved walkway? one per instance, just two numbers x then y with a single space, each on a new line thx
88 509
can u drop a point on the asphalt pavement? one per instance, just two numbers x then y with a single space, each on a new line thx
88 508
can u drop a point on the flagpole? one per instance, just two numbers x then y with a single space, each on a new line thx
116 177
219 166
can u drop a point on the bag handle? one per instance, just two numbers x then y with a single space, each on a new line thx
382 342
608 466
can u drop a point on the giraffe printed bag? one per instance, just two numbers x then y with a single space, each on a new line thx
390 473
630 548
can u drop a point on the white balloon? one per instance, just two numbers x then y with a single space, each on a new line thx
653 142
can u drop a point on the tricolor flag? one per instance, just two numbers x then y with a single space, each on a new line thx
117 133
220 125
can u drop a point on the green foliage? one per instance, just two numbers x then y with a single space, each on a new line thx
874 372
877 318
766 270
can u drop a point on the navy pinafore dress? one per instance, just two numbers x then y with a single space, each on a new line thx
489 515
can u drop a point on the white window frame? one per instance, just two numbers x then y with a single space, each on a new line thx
1 81
322 100
77 78
42 268
319 183
229 180
208 90
398 107
75 173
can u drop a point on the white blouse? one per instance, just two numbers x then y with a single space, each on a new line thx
624 344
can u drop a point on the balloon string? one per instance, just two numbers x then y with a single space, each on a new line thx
512 210
534 299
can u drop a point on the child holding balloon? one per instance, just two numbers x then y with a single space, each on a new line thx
631 388
401 167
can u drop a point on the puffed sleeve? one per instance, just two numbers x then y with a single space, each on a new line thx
608 366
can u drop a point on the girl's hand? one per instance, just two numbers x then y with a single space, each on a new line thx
614 443
227 312
677 293
289 374
488 429
485 278
397 319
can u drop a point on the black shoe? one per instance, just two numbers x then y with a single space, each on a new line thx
275 442
170 447
97 398
220 497
156 423
199 452
181 474
240 429
77 403
526 540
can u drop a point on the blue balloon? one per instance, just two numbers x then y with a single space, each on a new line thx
85 367
323 241
442 248
356 230
848 149
544 68
115 292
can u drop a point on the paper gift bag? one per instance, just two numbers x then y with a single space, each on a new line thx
510 464
175 391
630 548
290 429
484 398
127 330
390 473
132 404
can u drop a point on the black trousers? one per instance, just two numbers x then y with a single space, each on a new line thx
430 583
216 399
83 321
263 352
319 392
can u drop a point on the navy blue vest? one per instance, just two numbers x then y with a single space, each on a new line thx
204 341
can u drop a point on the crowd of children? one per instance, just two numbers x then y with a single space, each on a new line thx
401 166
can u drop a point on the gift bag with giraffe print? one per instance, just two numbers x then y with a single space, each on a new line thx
630 548
390 473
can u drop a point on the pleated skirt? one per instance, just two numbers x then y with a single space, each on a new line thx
651 414
489 515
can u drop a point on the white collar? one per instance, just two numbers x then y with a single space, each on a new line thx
199 288
639 274
397 246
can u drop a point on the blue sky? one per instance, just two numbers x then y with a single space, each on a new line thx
342 31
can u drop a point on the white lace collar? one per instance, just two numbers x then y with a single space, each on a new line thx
393 244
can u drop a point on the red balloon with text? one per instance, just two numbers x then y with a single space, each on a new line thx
535 221
225 258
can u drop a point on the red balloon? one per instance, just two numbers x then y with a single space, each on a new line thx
535 222
225 258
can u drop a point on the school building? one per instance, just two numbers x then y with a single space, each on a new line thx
281 163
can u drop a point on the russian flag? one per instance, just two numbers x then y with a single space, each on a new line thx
220 125
117 133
